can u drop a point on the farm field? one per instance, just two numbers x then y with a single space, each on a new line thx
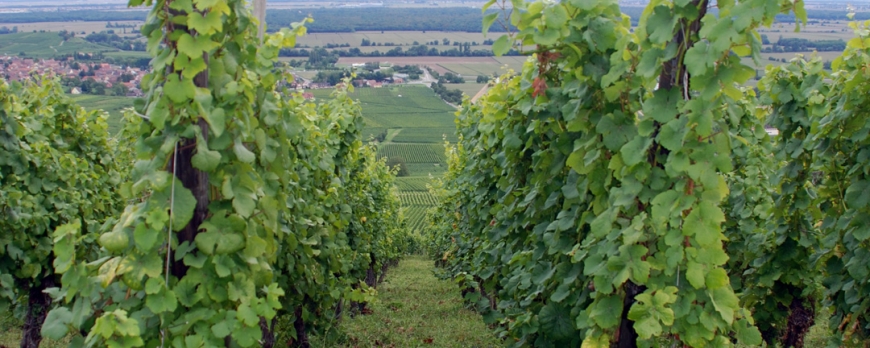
417 122
426 135
412 184
474 69
414 153
415 205
824 30
469 87
46 45
400 107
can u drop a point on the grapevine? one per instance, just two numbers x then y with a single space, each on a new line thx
58 165
237 214
588 207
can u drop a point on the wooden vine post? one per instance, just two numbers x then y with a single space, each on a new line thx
181 164
673 76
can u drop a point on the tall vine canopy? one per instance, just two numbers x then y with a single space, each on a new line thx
246 203
586 200
58 165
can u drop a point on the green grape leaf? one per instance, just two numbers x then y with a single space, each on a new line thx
725 303
179 91
205 24
144 237
164 301
717 278
660 25
244 205
695 274
606 311
747 334
243 153
501 46
183 206
195 47
216 121
556 321
651 311
635 150
488 20
56 324
205 159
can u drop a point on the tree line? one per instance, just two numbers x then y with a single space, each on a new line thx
804 45
398 51
347 20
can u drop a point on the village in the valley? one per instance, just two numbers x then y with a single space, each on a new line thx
80 77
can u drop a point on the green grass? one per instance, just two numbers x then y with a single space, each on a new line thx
414 310
10 334
112 105
46 45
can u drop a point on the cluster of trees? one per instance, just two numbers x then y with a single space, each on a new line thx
272 228
5 30
413 51
88 85
66 35
379 76
483 78
444 42
332 77
120 25
805 45
367 43
113 40
622 191
452 96
318 58
448 77
369 72
413 71
372 19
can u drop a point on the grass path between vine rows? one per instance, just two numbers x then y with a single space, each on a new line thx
414 309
